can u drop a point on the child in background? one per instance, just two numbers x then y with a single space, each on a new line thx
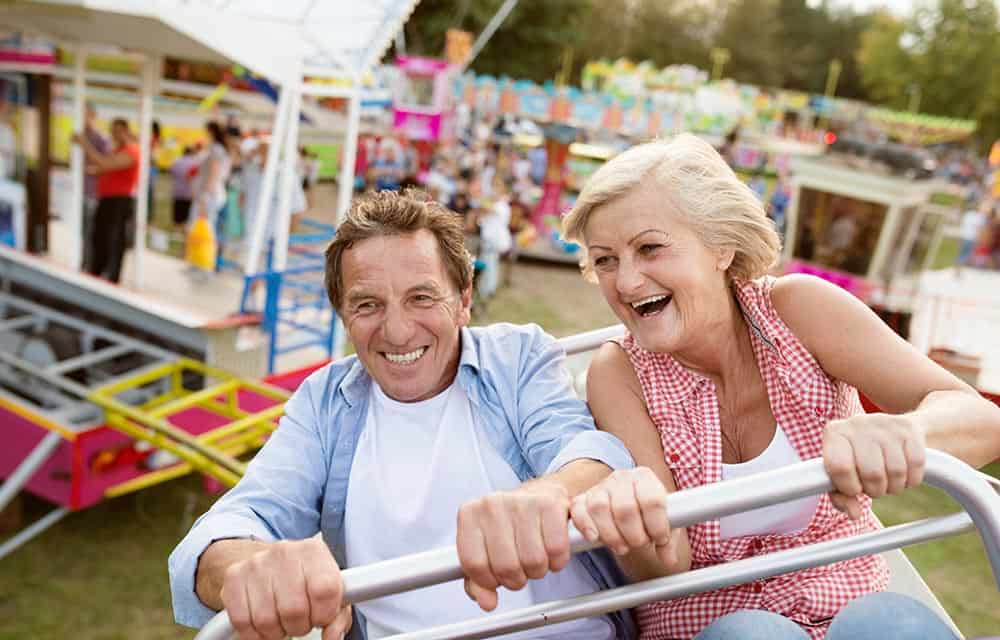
494 238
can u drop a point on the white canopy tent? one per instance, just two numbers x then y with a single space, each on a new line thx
285 41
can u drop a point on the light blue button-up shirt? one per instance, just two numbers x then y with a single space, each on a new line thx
296 485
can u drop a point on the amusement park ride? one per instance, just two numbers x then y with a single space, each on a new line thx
106 390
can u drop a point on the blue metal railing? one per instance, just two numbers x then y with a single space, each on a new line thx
290 292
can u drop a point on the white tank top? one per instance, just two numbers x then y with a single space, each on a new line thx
784 518
415 464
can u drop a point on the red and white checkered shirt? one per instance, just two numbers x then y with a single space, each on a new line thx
684 408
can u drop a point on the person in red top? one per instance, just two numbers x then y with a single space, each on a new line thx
117 179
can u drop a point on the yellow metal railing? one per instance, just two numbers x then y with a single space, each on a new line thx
213 452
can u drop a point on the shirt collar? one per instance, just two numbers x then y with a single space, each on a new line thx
469 357
674 381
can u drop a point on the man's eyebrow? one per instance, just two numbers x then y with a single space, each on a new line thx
355 296
428 287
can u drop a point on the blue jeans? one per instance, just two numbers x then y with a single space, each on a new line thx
965 252
877 616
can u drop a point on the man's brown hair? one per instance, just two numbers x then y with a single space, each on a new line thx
388 213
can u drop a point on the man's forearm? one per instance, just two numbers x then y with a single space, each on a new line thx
576 476
214 562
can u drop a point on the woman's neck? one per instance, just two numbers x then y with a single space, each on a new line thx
723 351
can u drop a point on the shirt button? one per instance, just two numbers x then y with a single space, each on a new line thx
757 587
819 411
757 545
674 457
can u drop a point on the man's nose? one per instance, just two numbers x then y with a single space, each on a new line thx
397 329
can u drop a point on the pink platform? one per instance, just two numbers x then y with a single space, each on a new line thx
857 285
68 477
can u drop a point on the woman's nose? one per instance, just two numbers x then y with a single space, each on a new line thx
627 279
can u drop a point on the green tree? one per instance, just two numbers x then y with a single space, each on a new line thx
529 43
988 111
672 32
750 31
886 67
956 45
801 58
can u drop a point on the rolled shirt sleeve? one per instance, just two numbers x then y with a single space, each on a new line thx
183 563
279 498
556 427
593 445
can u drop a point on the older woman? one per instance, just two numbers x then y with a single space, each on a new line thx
725 372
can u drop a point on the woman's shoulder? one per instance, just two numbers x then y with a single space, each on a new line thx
814 310
797 298
611 372
611 360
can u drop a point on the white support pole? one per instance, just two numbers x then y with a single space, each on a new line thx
266 193
151 68
348 155
288 178
487 33
77 163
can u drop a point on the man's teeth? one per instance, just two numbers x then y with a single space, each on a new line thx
639 303
405 358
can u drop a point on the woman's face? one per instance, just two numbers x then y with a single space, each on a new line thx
659 278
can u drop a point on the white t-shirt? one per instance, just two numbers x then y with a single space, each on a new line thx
972 221
415 464
494 230
213 195
784 518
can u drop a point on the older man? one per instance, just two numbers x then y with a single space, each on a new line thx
433 434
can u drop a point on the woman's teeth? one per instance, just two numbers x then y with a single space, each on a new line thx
405 358
652 304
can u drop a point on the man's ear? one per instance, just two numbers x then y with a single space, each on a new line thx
465 307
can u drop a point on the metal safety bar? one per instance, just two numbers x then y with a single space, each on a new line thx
590 340
700 504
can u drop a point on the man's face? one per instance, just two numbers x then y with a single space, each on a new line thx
403 314
120 134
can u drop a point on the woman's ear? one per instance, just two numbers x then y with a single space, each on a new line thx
726 257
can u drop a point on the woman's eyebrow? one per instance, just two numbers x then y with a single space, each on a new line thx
645 231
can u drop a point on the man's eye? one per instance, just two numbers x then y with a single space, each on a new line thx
423 300
365 307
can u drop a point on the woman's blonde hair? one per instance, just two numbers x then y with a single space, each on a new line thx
722 211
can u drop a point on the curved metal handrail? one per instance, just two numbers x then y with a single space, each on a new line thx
590 340
700 504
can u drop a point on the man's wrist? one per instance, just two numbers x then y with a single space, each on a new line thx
213 563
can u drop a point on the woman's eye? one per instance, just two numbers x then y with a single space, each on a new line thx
603 261
649 249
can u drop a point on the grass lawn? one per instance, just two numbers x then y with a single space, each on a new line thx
101 574
946 254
